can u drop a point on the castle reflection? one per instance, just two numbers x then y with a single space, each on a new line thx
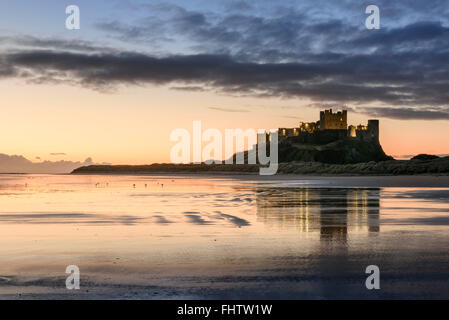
334 212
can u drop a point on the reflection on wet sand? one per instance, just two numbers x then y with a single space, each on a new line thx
335 212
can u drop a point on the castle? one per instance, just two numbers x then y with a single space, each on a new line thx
331 127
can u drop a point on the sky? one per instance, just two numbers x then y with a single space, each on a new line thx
116 88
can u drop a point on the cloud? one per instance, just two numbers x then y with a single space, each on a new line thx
408 79
189 88
416 33
58 154
407 113
19 164
76 45
274 32
290 51
227 109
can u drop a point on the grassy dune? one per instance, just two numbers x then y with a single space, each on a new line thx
389 167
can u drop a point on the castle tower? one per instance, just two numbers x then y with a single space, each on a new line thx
373 129
352 131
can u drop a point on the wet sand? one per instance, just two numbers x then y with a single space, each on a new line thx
235 237
437 181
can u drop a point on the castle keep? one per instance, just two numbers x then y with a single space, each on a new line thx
331 127
333 121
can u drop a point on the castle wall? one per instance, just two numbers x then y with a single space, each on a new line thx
287 132
320 137
309 127
370 132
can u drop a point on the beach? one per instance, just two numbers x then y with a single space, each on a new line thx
167 236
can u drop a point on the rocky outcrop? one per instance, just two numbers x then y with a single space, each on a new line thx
342 151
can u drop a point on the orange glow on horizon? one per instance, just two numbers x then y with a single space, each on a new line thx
133 125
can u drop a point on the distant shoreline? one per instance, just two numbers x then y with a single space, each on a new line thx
438 166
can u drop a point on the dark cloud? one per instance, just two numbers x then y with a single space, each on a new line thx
408 113
189 88
28 41
420 32
407 79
